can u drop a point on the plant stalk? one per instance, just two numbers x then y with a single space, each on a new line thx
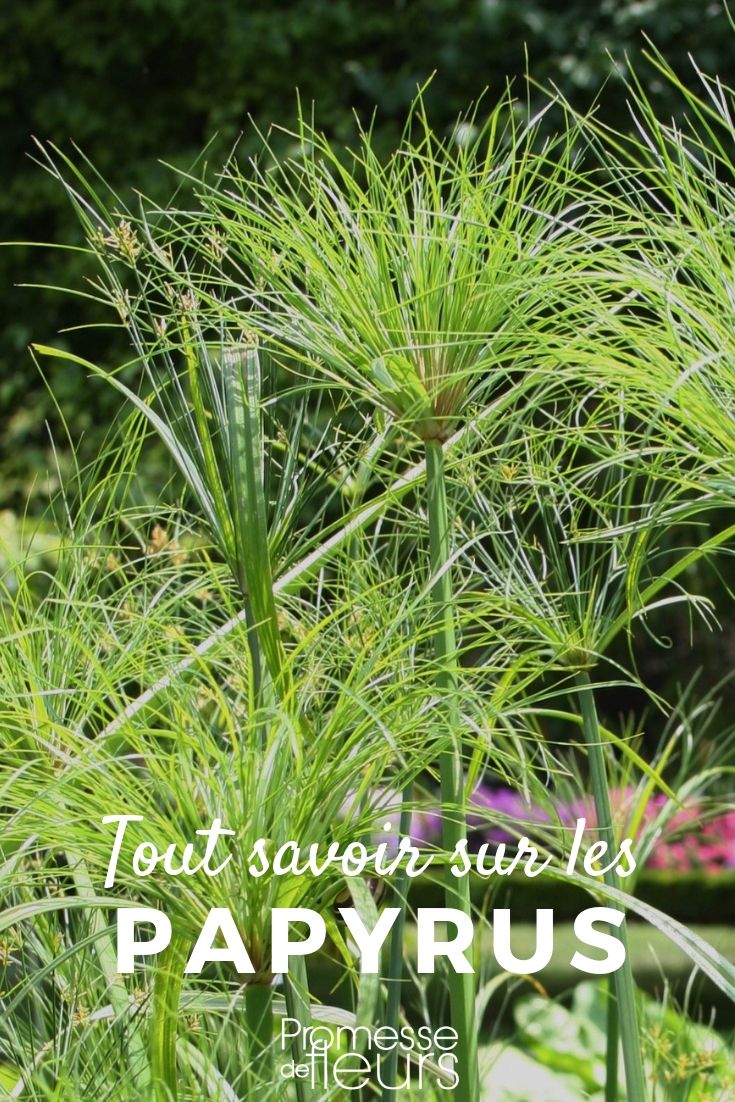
613 1035
165 1018
454 825
394 978
259 1019
625 1019
298 1006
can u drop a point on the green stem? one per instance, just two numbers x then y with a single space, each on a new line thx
454 826
627 1015
254 651
613 1033
259 1018
394 978
164 1019
298 1005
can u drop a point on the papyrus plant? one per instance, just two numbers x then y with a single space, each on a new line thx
207 406
196 750
422 287
438 305
673 189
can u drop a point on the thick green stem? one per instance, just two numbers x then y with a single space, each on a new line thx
613 1034
254 651
259 1018
298 1005
395 955
627 1016
165 1019
454 826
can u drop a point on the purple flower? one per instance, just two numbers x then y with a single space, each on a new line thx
502 814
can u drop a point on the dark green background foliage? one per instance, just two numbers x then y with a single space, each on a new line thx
137 82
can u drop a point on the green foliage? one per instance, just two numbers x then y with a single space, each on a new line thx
337 619
134 84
